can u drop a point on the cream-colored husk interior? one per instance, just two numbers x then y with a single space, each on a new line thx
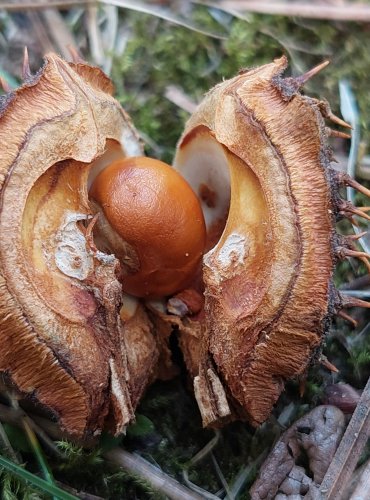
203 162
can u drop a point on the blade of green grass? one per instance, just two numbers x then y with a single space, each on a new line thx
35 480
38 452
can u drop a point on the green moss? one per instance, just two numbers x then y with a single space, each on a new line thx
13 488
160 54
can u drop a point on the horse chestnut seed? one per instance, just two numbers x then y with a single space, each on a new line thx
151 219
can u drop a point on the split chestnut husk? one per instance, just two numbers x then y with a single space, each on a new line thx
255 152
62 341
268 294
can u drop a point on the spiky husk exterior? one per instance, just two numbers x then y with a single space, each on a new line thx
269 306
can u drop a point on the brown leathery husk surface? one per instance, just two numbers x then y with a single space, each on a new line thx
266 303
61 336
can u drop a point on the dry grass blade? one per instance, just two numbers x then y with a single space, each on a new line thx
222 479
343 12
164 13
177 96
353 442
145 7
205 451
94 35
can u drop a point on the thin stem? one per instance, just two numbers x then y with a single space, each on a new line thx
7 445
224 483
37 451
33 442
349 450
35 480
158 479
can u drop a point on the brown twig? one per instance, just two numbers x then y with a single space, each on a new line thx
349 451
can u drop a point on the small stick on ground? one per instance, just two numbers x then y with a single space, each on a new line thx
158 479
349 450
